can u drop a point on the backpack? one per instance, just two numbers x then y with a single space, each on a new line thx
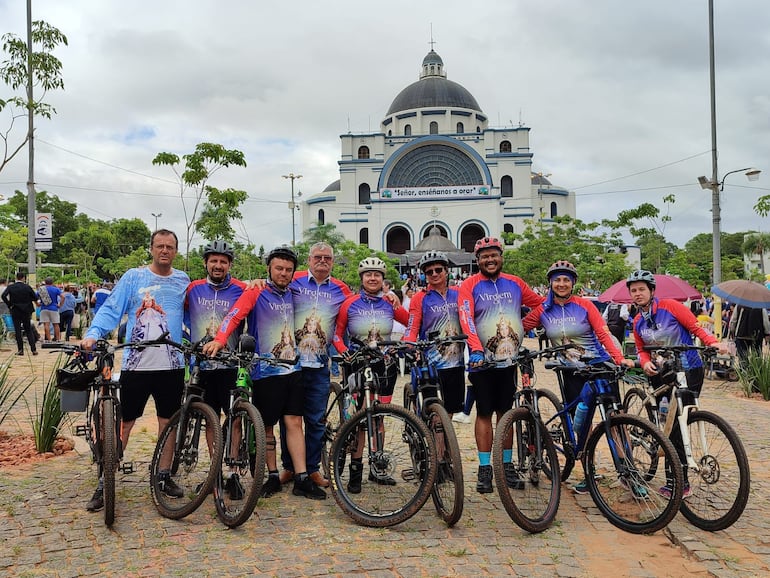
45 298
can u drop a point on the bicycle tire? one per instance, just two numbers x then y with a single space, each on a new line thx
633 404
534 506
408 453
448 490
332 420
195 464
236 498
549 405
720 490
109 452
648 510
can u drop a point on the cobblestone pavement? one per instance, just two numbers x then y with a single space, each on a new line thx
45 530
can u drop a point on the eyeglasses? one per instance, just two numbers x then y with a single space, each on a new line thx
168 248
435 271
329 258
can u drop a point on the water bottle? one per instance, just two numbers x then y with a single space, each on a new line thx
663 409
580 417
348 406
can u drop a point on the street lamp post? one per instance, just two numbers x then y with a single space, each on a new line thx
156 215
292 205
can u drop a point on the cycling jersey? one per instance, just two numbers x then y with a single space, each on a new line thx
316 305
430 311
368 318
207 304
490 314
577 321
669 323
269 314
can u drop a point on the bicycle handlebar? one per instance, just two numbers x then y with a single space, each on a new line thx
668 350
589 371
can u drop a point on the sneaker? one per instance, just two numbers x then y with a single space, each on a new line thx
484 484
512 478
381 479
97 501
309 489
581 487
271 486
461 418
637 489
666 491
234 487
169 487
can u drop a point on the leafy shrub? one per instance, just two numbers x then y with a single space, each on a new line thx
754 374
48 419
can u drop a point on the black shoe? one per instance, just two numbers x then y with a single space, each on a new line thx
512 478
234 487
381 479
484 484
20 353
356 474
97 501
169 486
308 488
270 487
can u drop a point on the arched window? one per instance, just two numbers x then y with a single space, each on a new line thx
507 228
398 240
363 152
407 130
469 235
433 127
506 186
460 128
321 217
390 133
553 209
363 236
364 194
505 146
478 129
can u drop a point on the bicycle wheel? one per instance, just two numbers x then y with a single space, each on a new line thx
624 492
333 419
401 448
549 405
633 403
242 465
109 452
720 486
193 467
448 492
534 504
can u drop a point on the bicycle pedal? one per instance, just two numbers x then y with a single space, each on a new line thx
408 475
127 467
81 430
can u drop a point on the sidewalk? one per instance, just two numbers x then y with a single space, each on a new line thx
45 530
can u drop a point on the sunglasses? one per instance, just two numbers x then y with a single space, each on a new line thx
435 271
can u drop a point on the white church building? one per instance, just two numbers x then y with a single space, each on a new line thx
435 162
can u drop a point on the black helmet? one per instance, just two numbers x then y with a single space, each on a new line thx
433 257
641 275
219 247
283 252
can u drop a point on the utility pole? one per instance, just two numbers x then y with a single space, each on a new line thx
31 205
292 205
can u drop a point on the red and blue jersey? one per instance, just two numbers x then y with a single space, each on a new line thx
206 306
269 315
579 322
367 318
490 314
669 323
316 305
430 311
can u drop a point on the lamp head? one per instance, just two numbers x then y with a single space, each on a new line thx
704 183
753 174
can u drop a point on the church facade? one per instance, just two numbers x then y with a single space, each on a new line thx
435 162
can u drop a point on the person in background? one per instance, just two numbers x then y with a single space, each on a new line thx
20 299
748 327
616 316
66 312
49 299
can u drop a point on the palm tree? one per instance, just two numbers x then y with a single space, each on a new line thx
757 244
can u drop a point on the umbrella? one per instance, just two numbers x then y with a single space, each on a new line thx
666 287
743 292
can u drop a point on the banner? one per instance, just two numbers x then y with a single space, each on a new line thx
43 231
430 193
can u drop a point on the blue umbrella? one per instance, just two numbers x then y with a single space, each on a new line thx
743 292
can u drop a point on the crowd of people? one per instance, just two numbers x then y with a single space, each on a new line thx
300 314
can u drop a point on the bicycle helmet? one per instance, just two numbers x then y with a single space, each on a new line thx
219 247
433 257
372 264
562 268
486 243
282 252
641 275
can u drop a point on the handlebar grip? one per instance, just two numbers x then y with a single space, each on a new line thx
553 365
389 342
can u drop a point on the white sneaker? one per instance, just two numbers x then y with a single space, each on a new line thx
461 418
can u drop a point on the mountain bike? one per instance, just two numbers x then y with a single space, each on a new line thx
189 449
387 442
529 482
717 474
88 370
423 397
619 475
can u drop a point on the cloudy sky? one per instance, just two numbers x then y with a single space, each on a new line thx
616 95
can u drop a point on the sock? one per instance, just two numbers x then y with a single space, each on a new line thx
507 456
301 477
485 458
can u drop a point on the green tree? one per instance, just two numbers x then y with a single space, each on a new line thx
131 235
194 191
15 73
13 246
762 208
656 251
63 213
326 233
348 254
757 244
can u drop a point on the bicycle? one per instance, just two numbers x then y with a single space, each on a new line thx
423 397
179 453
626 490
531 491
390 439
716 467
92 370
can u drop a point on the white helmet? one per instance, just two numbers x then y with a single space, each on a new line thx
372 264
